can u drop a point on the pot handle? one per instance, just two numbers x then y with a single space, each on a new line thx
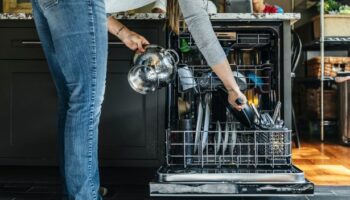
173 55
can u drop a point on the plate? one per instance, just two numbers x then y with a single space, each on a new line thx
217 138
233 138
206 123
198 126
225 142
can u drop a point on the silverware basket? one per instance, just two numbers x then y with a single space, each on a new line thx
249 148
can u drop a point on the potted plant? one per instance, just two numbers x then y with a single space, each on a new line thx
336 19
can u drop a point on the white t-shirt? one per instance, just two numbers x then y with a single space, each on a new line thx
113 6
195 13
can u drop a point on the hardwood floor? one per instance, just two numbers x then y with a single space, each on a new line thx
324 163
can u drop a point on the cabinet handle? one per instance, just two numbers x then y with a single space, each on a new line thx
39 43
115 43
31 43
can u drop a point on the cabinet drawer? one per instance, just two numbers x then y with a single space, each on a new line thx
24 43
20 43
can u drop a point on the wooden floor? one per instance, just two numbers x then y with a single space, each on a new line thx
324 163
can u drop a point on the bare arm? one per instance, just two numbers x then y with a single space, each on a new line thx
131 39
202 31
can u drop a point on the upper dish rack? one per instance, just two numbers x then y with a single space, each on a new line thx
203 80
238 40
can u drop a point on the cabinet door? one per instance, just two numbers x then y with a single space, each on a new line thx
131 128
28 113
130 122
130 125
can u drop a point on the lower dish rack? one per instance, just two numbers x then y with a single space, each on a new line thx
233 146
237 163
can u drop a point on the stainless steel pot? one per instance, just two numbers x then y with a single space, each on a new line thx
143 79
154 61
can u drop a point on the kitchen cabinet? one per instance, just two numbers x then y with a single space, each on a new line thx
131 126
28 108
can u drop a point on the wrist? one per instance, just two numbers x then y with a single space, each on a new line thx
234 90
232 87
119 30
123 33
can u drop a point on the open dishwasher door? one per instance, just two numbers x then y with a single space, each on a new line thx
230 182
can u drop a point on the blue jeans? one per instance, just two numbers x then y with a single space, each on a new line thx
74 38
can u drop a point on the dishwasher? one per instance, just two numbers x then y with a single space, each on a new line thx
208 151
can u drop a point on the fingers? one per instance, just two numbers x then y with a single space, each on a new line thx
141 42
140 46
144 41
232 99
238 107
132 46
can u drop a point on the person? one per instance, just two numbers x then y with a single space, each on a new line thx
74 38
259 6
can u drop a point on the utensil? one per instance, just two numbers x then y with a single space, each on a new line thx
256 112
198 126
187 80
211 81
143 79
186 126
183 107
257 80
162 60
241 80
157 61
252 97
205 133
226 136
276 111
269 119
217 138
184 47
233 138
246 116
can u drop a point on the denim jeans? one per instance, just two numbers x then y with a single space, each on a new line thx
74 38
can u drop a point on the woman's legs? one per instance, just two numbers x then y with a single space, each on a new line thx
74 36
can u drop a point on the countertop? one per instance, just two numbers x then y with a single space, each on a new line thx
154 16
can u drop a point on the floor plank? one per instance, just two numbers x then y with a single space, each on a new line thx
324 163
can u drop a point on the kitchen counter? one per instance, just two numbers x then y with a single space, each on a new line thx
154 16
15 16
137 16
293 17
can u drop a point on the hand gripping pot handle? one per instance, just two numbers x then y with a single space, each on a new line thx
174 56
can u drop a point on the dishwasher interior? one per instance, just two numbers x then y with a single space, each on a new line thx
208 151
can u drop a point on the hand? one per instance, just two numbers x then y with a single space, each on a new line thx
233 95
133 40
158 10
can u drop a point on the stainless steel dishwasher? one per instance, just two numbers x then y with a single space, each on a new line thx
208 151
